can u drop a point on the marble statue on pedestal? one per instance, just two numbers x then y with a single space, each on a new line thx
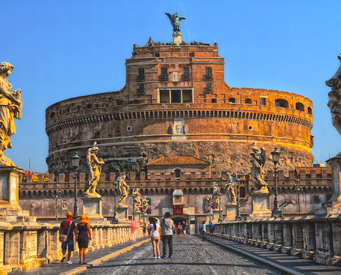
137 200
10 108
123 188
257 170
208 204
216 196
145 205
95 168
229 188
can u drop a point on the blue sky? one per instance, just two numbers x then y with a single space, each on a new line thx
63 49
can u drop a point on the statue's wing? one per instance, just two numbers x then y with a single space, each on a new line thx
180 18
170 17
263 155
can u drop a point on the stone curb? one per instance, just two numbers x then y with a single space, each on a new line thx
103 259
258 259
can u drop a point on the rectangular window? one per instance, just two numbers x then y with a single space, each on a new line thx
141 87
208 87
214 100
157 55
164 72
187 96
164 96
263 101
141 73
176 96
208 71
186 71
191 54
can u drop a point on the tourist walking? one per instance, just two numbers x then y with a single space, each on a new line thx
179 230
167 235
184 228
144 229
83 235
200 228
203 230
212 227
66 231
148 228
155 237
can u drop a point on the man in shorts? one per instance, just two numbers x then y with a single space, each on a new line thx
69 244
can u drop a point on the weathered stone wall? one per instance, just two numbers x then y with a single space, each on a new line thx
311 237
25 246
315 184
132 127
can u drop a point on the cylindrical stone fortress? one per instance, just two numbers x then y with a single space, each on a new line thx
176 103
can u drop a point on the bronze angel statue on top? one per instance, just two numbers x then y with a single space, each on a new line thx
257 169
175 21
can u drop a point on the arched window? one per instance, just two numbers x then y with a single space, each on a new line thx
248 101
299 106
232 100
310 111
242 192
281 103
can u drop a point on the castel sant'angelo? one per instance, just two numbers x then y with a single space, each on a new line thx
176 104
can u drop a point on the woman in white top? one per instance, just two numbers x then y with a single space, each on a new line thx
155 237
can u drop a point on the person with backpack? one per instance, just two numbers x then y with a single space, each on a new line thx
212 227
200 228
66 233
203 230
167 235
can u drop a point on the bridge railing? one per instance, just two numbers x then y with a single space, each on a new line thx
311 237
28 246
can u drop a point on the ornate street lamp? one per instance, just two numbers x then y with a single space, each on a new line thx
75 163
57 196
276 212
238 217
115 220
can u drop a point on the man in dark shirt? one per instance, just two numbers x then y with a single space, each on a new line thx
184 228
69 244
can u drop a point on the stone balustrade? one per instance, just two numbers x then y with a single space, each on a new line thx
311 237
27 246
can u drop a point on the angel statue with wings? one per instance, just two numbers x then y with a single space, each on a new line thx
257 170
175 21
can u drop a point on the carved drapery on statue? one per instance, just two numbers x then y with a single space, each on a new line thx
208 204
123 187
257 170
216 197
335 98
10 108
95 169
145 205
137 200
229 187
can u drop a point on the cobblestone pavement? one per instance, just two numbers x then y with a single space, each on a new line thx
191 256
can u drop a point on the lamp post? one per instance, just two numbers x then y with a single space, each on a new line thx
57 196
238 217
276 212
75 163
115 220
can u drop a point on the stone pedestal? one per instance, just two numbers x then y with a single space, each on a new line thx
145 217
231 211
137 216
216 215
260 205
10 211
92 207
122 214
177 37
333 206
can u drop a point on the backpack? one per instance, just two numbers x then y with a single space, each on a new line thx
200 226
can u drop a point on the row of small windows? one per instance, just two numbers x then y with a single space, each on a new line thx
189 54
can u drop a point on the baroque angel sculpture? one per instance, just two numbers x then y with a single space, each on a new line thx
123 188
10 108
175 21
95 167
229 187
257 170
137 200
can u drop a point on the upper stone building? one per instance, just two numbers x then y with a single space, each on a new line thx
176 104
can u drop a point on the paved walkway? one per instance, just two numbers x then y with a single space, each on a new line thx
56 267
191 256
296 264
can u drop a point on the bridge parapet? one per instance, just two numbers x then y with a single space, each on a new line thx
311 237
29 246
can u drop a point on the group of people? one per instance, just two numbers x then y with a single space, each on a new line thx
81 232
180 229
202 229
